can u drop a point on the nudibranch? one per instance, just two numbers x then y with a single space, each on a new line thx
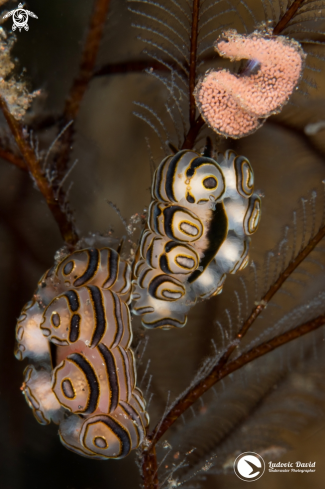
200 219
76 333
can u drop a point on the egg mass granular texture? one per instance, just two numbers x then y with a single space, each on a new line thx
236 105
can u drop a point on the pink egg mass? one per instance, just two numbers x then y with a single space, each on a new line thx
235 105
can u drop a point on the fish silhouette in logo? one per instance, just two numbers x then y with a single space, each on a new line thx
20 18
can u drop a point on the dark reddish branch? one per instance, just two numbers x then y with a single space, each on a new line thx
12 158
149 459
55 197
88 58
193 132
141 65
150 469
80 85
290 13
193 56
218 373
131 66
35 168
272 291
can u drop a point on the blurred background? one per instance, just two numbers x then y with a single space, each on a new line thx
253 409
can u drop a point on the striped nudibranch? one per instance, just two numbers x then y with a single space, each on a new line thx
77 333
199 222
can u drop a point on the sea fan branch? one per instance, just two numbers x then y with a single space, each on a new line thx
141 65
193 57
293 265
216 374
80 85
290 13
193 132
130 66
56 205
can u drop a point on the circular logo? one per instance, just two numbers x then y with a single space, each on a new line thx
249 466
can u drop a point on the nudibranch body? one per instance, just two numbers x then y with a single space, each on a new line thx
199 222
77 333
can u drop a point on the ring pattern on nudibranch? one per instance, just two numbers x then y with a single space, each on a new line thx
77 332
199 222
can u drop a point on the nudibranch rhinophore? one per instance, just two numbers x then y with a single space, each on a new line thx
199 222
76 333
